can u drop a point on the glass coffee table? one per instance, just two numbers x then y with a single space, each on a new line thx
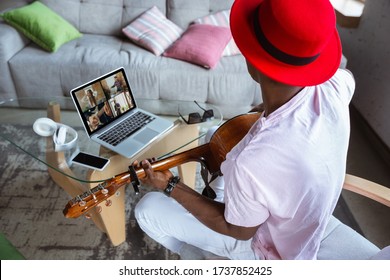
17 117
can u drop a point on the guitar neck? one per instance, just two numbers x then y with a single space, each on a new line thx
200 154
89 199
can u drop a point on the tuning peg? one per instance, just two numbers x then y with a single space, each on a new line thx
98 209
88 216
82 203
108 202
104 191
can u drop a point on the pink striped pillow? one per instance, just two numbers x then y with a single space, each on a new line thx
201 44
153 31
220 18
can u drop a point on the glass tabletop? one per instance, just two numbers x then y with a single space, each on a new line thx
17 117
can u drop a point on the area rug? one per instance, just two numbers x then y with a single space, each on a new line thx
31 215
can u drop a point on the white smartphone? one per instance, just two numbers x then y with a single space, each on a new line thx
90 161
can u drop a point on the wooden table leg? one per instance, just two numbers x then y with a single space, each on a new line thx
57 160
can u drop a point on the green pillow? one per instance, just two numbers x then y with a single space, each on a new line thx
42 25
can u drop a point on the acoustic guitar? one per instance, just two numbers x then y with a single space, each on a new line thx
211 155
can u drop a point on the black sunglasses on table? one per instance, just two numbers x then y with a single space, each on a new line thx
196 118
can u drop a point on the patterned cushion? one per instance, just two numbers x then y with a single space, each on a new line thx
153 31
201 44
220 18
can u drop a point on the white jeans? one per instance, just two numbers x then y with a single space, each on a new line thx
170 224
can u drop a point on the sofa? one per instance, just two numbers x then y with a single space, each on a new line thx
27 70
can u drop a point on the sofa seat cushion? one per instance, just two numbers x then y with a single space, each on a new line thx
38 73
78 62
340 242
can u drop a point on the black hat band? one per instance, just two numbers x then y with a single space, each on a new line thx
274 51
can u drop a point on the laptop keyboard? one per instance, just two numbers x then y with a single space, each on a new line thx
126 128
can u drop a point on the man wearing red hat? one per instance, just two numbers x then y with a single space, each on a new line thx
283 180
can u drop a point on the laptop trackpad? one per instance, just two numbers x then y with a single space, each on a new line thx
146 135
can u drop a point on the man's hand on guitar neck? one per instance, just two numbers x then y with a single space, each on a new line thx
158 179
207 211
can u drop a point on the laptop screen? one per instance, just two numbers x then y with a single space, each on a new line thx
103 100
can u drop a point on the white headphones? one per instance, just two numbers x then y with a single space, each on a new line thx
47 127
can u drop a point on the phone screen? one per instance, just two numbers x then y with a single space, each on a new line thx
91 161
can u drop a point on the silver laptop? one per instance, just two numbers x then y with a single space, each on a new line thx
110 115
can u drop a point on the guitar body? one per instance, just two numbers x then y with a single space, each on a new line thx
227 136
211 155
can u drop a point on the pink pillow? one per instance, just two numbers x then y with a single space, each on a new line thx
201 44
153 31
220 18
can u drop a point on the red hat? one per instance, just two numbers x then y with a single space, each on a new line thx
291 41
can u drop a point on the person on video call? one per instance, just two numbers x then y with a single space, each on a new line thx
282 181
117 84
91 98
102 116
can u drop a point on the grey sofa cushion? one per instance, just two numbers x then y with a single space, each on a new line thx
102 17
109 17
183 12
151 77
15 44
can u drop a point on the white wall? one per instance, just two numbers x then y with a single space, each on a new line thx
367 49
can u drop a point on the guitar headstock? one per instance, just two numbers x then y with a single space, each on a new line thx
84 202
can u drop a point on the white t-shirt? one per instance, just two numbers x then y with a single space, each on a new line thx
287 173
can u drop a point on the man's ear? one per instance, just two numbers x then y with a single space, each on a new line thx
255 74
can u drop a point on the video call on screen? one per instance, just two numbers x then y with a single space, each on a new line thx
104 100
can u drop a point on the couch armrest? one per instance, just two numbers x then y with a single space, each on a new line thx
11 42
